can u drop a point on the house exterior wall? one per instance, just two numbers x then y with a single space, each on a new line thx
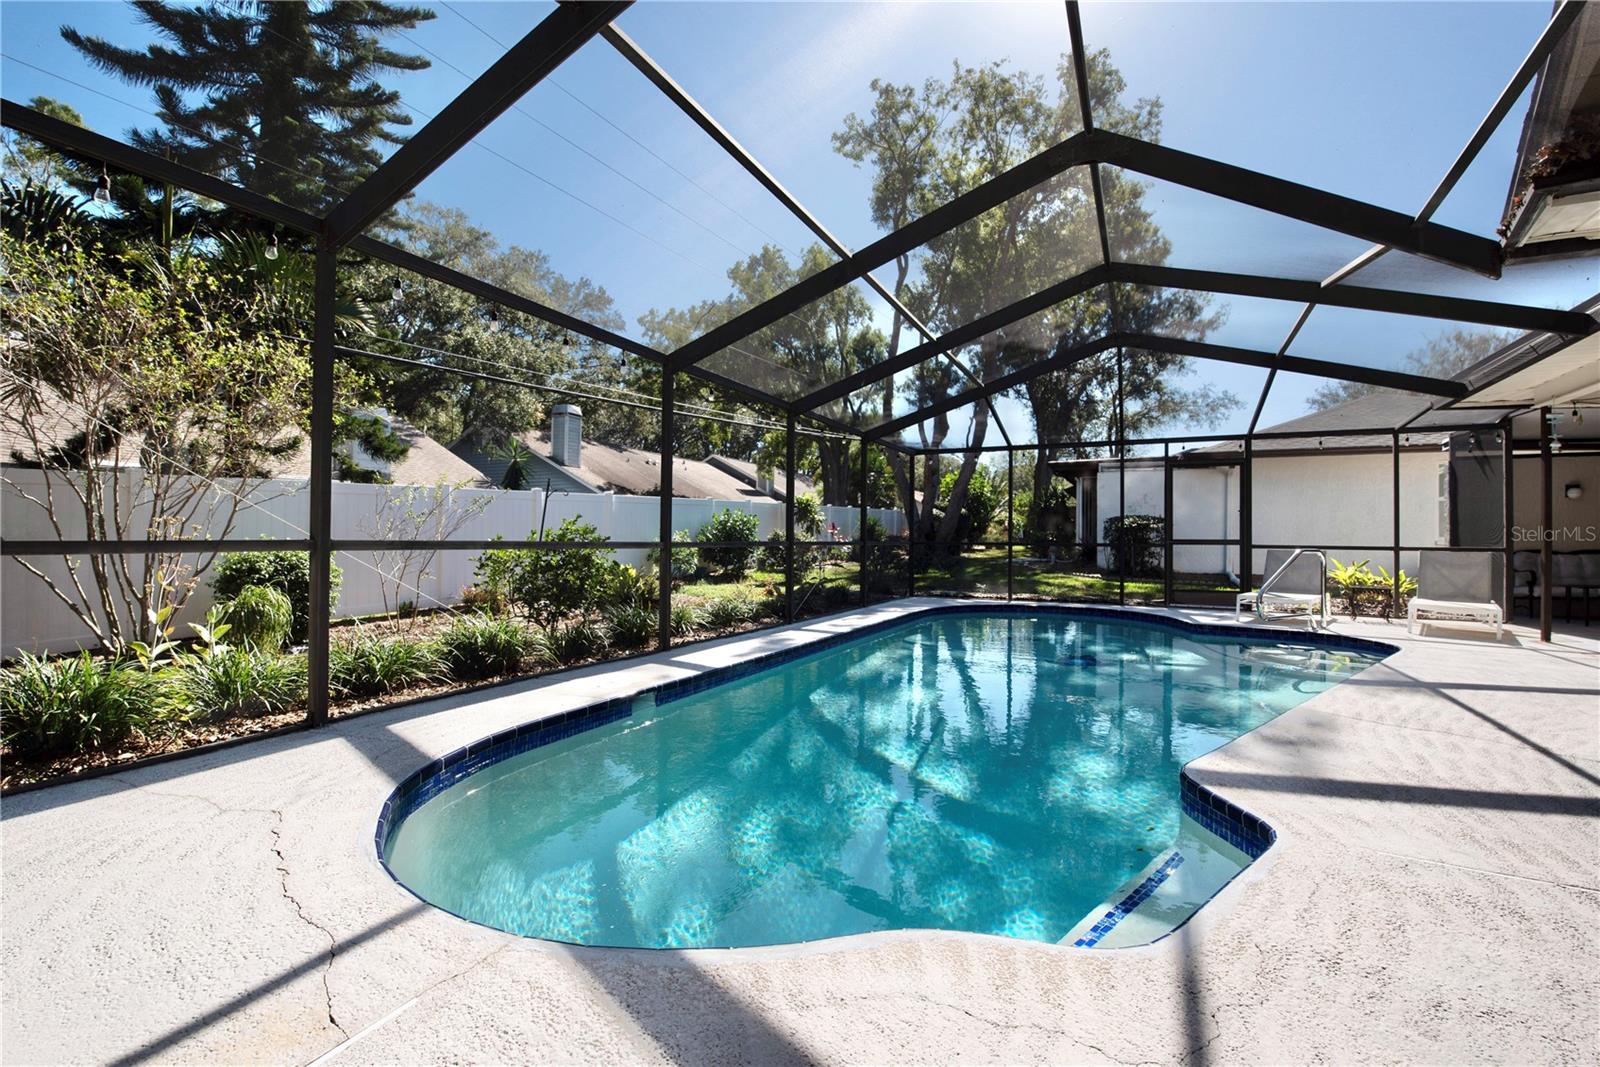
32 619
1575 524
1340 502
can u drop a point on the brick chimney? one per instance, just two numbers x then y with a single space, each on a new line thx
566 435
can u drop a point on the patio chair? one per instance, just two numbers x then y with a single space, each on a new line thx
1295 581
1572 573
1525 578
1457 587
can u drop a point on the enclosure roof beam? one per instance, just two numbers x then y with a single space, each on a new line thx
1344 372
1386 379
697 114
427 268
1513 316
421 265
77 141
1074 151
1328 210
1059 361
1392 301
961 335
560 34
1560 21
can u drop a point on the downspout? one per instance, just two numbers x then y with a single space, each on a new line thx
1227 489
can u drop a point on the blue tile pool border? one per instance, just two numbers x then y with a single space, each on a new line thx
1248 833
1239 828
682 687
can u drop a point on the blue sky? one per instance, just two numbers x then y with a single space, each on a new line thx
599 171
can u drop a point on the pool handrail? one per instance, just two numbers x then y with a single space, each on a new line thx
1261 595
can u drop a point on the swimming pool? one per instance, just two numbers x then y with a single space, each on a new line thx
1005 772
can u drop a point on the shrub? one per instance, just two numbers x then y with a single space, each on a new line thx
738 530
73 704
1366 592
631 625
482 646
685 620
877 534
223 682
367 665
494 571
536 650
287 572
576 640
260 617
1136 542
808 515
552 584
683 559
727 612
629 588
774 553
1051 515
482 598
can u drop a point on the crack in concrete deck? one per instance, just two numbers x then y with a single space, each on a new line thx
333 942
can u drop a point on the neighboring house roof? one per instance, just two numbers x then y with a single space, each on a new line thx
621 470
426 462
57 421
746 472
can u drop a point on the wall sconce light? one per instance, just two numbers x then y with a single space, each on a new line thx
1574 490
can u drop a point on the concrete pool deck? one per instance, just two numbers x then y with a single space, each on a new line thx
1433 897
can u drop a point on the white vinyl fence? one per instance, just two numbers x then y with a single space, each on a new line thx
32 619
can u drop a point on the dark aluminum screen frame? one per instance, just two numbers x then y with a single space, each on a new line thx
571 26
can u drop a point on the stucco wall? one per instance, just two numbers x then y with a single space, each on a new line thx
1338 502
1575 523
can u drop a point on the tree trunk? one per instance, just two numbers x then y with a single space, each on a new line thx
833 460
950 526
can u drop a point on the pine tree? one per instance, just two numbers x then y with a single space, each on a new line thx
281 98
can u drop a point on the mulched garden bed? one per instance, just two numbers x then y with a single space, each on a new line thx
20 772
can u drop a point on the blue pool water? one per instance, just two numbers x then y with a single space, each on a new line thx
997 773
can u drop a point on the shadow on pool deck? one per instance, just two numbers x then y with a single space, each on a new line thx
158 1046
1399 793
685 1011
1441 690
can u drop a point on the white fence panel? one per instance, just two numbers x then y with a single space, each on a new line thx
32 618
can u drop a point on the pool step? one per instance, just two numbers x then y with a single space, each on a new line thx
1161 897
1091 930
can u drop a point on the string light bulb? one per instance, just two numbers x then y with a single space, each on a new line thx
395 292
272 248
102 187
494 320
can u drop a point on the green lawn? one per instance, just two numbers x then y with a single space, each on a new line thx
980 571
983 570
759 584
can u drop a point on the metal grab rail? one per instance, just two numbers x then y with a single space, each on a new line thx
1322 597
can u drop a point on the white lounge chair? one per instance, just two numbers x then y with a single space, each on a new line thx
1295 582
1457 587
